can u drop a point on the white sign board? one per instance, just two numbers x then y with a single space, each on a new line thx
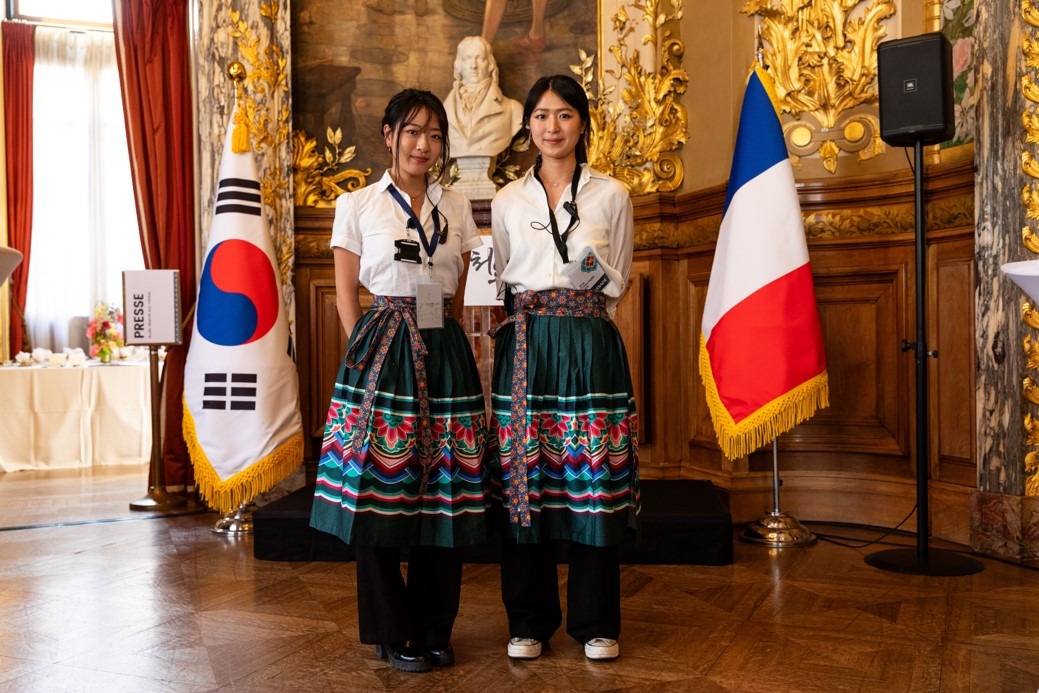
151 307
479 284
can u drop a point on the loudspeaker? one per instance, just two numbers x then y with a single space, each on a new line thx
915 79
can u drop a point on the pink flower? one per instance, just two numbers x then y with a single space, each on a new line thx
394 428
962 54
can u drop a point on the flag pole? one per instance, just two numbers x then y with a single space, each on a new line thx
239 521
777 529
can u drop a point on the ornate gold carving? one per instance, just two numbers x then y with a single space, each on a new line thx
1029 238
267 79
1031 391
1031 353
823 56
638 144
1030 199
1029 12
1029 314
318 178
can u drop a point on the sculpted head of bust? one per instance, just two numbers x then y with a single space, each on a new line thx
482 120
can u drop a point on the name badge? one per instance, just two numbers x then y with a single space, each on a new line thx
429 304
586 272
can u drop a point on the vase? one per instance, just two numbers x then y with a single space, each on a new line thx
105 357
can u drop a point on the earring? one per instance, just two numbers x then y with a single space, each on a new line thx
389 149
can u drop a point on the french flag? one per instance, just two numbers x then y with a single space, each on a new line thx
761 349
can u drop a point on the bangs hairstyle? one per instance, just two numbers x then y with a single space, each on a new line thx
569 90
404 107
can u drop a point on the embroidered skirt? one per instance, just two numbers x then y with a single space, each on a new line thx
387 475
579 437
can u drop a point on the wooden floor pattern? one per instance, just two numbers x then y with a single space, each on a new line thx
164 604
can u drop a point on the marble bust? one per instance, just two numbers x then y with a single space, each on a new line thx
481 120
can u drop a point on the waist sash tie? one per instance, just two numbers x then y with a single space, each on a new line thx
389 312
572 303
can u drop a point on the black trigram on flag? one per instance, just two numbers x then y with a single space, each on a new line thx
238 195
240 395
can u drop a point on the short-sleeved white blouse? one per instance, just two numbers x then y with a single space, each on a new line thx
525 255
369 220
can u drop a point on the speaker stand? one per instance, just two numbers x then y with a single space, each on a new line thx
924 560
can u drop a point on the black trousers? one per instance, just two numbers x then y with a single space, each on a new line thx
422 610
530 591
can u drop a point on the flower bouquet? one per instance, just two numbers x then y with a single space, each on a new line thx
105 332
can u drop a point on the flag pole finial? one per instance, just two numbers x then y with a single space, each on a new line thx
240 134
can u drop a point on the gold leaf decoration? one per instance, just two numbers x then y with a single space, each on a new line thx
267 79
1029 89
1031 430
638 143
1029 12
1029 238
1029 314
1030 121
1029 164
823 56
1031 353
320 177
1030 390
1030 198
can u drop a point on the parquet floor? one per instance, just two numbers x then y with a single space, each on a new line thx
163 604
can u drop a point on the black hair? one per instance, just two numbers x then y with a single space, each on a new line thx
405 105
569 90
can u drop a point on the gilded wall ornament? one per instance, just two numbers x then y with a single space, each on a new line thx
264 99
823 56
638 123
1030 199
320 177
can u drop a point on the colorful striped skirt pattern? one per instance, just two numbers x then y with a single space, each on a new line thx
578 439
402 460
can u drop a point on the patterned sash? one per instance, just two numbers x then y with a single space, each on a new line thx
389 312
571 303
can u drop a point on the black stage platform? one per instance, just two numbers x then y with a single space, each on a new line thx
682 522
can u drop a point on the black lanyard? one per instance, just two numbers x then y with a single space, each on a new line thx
560 238
430 246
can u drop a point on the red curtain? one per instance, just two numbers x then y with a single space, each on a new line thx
152 48
19 56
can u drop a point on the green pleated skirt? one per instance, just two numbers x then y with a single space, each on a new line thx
369 481
581 447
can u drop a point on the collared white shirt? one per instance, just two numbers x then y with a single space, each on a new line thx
525 256
369 220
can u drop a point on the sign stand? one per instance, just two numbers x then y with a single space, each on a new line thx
151 312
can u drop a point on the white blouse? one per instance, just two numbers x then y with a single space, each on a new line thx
369 220
525 255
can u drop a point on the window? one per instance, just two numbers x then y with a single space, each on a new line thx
95 12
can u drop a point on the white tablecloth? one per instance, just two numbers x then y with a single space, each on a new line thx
57 417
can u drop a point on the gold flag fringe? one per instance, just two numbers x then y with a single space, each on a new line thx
767 423
259 477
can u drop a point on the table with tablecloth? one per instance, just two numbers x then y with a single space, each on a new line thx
54 417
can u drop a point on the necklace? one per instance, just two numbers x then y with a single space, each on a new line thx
413 198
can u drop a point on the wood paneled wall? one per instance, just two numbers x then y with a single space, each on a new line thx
852 462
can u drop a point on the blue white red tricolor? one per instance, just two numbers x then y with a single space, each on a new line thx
761 349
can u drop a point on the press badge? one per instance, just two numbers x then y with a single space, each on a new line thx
407 251
587 272
429 303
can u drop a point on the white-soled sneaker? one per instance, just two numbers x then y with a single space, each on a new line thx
524 648
602 648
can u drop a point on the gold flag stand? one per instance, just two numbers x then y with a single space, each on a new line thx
777 529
